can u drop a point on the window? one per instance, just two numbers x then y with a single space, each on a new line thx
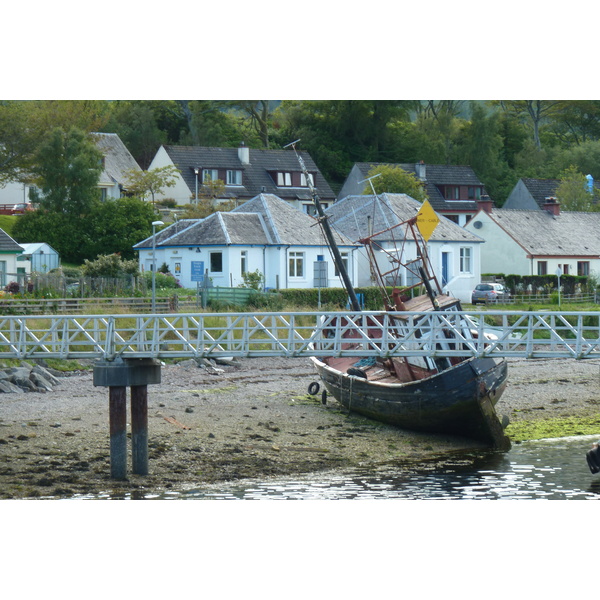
244 262
209 175
311 209
583 268
542 267
291 178
303 181
296 264
452 192
474 193
234 178
465 260
216 262
344 256
284 179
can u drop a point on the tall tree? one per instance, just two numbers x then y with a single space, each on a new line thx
67 168
535 112
18 140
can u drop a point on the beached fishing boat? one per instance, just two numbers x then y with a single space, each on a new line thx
454 394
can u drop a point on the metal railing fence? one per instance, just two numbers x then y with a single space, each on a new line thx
492 333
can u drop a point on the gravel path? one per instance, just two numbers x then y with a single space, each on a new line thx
250 419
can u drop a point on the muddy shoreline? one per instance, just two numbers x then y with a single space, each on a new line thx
249 419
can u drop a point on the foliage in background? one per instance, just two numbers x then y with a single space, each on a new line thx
395 180
112 226
109 265
67 168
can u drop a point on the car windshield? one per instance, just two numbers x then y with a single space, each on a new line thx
484 287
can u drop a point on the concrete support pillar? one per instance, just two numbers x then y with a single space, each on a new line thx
139 429
117 375
118 431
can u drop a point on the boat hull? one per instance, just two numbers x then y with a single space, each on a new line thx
459 400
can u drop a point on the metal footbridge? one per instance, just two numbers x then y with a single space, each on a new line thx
574 335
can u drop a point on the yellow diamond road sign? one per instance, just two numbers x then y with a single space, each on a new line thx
427 220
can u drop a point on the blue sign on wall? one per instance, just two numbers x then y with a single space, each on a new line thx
198 270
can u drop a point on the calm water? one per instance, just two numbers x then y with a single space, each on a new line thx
548 469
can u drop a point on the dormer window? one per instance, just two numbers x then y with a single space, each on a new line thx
234 177
291 178
209 175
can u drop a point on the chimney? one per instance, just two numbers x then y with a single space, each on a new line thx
244 154
421 171
485 203
552 205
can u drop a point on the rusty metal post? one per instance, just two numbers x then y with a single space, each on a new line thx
139 429
118 431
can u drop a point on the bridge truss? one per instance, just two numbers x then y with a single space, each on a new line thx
573 335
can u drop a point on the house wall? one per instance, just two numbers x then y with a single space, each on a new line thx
520 198
14 192
271 261
500 253
8 268
180 191
459 284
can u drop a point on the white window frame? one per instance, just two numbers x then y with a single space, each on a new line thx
244 262
466 259
296 265
234 177
345 261
209 175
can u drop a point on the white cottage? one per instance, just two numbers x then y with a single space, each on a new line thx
454 252
538 242
264 234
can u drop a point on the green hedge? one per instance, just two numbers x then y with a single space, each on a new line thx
519 284
337 297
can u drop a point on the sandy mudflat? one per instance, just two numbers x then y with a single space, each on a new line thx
245 420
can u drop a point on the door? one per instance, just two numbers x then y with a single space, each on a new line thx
445 268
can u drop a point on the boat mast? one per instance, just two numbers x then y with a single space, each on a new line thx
324 223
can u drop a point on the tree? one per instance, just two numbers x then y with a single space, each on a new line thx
572 192
396 180
154 181
17 141
533 111
136 125
67 169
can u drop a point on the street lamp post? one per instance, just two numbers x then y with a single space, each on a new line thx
154 225
196 170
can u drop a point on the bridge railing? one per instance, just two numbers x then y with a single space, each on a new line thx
490 333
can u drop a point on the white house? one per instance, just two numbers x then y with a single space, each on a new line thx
454 252
538 242
266 234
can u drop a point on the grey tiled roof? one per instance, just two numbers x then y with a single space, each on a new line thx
266 219
438 175
7 244
540 233
354 215
540 189
255 174
117 159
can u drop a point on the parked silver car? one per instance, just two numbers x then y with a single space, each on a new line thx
487 293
